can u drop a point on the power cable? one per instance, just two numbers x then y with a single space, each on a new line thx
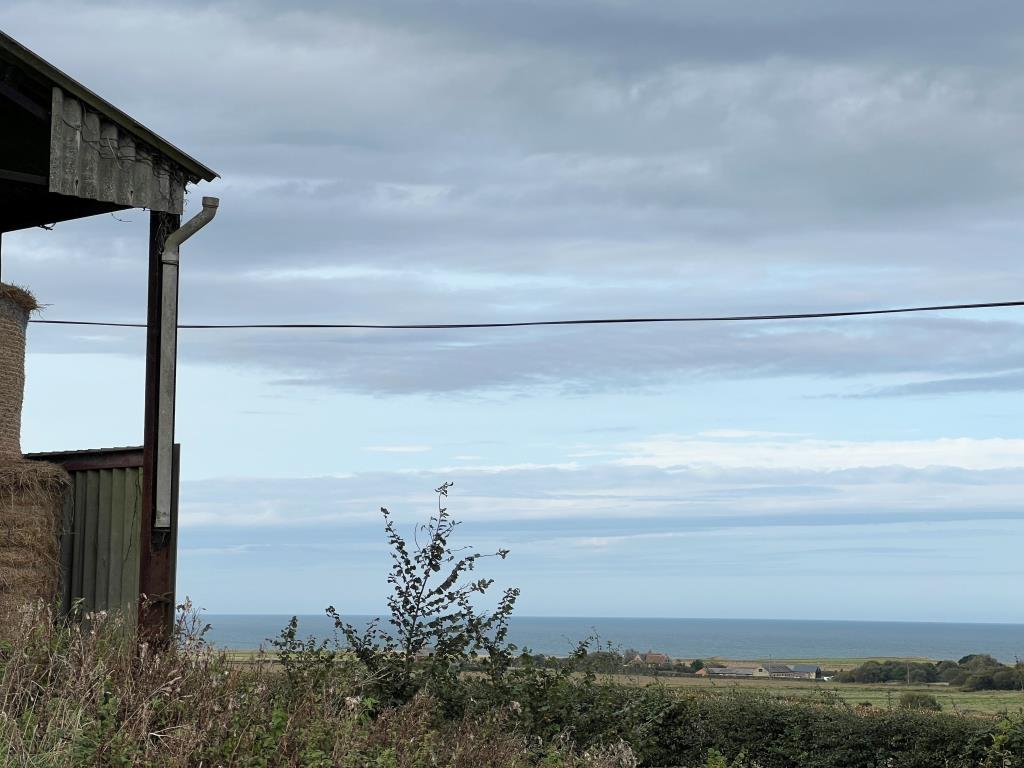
533 323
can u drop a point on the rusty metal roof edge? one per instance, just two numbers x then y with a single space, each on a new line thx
84 451
79 91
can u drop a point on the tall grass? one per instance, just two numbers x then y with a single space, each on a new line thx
85 694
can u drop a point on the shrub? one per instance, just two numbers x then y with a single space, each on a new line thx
716 759
86 695
435 628
918 700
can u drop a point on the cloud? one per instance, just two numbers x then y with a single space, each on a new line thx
627 528
740 434
458 161
827 455
397 448
687 483
535 162
1005 382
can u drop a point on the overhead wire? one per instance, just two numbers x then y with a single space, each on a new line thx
535 323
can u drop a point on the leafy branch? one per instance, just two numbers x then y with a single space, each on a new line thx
435 626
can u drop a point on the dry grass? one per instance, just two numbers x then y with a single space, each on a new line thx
86 695
20 296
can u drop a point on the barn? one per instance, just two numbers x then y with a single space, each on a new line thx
67 153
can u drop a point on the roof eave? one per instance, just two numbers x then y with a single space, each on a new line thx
197 170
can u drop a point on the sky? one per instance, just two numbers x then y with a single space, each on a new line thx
424 161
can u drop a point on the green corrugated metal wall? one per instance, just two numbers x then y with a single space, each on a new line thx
101 536
100 542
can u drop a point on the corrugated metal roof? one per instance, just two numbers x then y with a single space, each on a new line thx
192 169
92 458
84 451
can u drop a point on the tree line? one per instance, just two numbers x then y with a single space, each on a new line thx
974 672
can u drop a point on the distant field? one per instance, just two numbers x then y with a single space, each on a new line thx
878 695
838 664
951 699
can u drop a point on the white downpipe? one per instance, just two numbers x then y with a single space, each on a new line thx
169 357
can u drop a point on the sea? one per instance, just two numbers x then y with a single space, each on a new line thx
748 639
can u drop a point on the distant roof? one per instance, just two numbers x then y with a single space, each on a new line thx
735 671
792 667
46 71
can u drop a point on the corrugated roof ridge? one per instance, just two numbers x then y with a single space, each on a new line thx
115 449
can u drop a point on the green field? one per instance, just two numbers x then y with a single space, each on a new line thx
952 700
836 664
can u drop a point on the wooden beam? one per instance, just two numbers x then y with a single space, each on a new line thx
13 94
23 178
156 556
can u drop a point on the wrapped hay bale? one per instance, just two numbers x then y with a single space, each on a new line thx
31 492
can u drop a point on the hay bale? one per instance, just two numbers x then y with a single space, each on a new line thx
31 511
15 306
31 492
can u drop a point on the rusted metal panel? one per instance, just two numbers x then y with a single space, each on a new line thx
94 458
94 158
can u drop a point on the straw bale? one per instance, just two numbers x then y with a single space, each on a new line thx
20 296
31 509
15 305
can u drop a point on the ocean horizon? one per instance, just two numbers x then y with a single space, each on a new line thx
692 638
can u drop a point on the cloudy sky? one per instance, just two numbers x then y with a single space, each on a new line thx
412 161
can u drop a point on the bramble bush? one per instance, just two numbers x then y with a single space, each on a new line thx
435 628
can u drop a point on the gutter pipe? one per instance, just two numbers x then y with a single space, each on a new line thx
168 358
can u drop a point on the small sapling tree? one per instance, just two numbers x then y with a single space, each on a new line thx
434 626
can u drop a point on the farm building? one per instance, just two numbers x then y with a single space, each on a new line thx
795 671
96 528
649 659
758 671
792 671
652 658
